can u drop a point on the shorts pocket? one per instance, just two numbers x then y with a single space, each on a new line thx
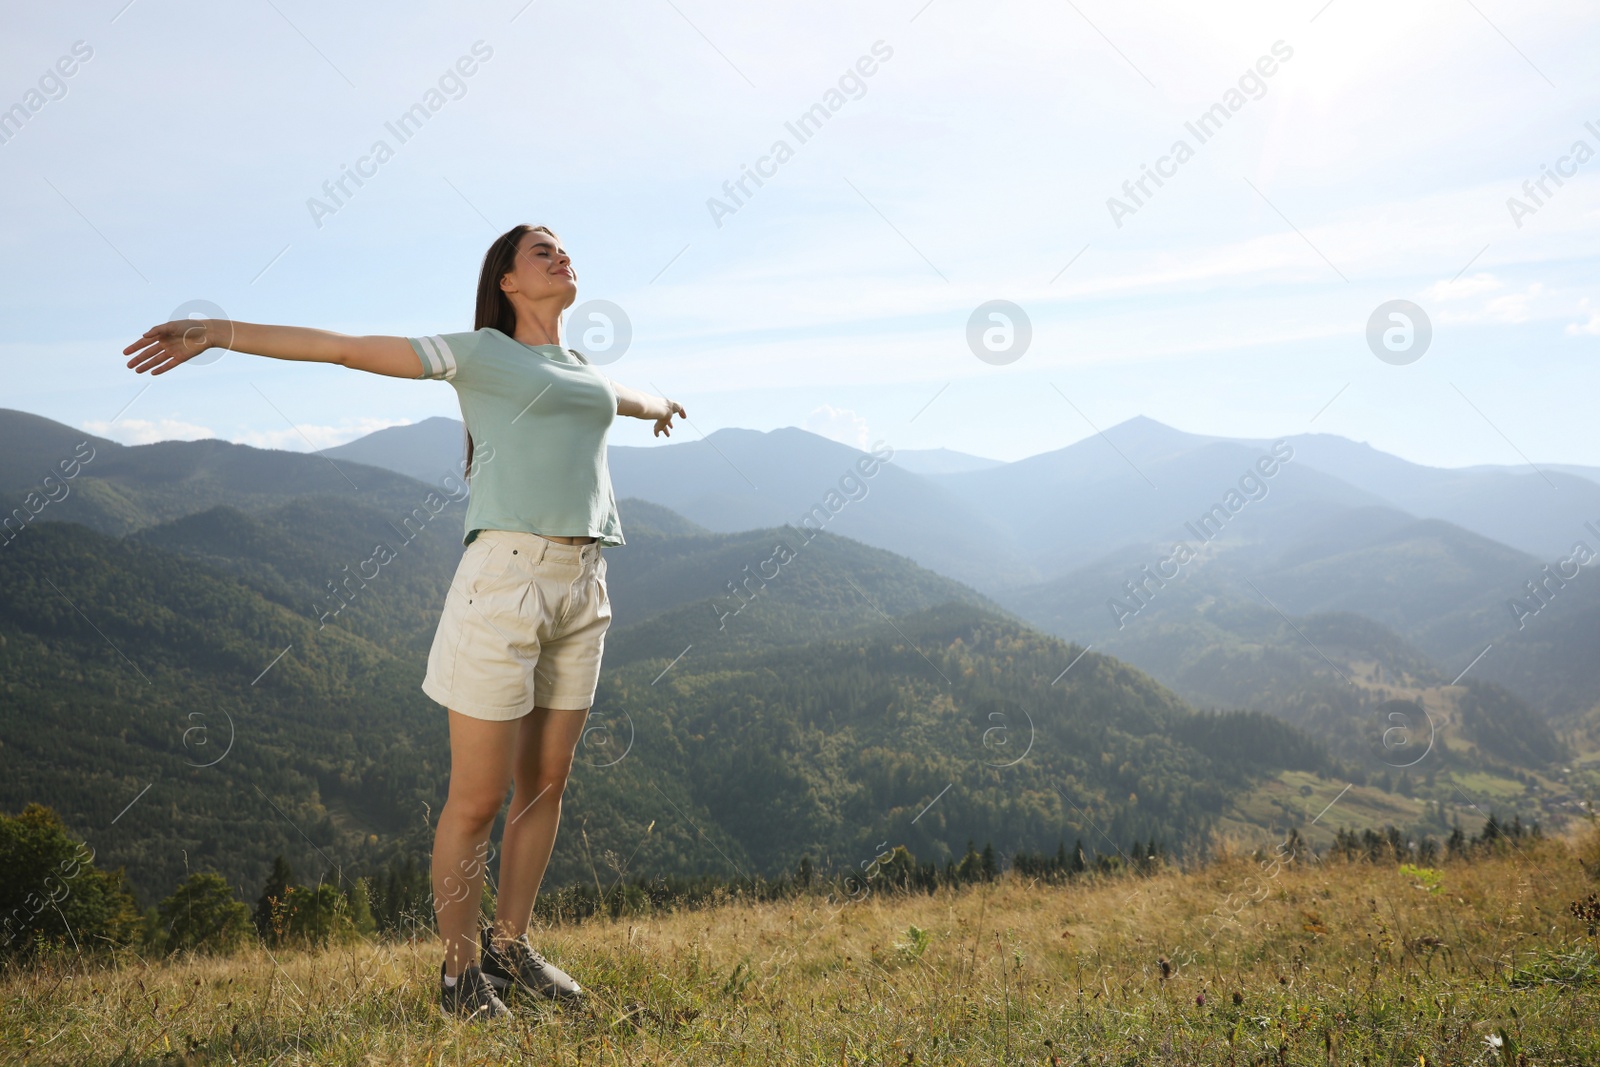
600 576
488 571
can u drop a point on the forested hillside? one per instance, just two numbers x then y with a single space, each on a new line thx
236 729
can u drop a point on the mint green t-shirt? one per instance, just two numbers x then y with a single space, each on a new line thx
538 417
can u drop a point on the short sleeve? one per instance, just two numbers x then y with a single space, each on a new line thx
444 354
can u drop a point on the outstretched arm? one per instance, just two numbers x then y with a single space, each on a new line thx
172 343
639 405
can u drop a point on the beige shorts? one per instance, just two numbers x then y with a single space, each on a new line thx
523 626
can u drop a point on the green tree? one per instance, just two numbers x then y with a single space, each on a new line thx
318 915
900 870
203 916
52 893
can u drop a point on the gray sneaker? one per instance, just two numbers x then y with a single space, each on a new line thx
517 964
471 997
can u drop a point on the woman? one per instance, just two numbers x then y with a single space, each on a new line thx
517 652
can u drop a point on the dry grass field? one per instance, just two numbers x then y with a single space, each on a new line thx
1242 961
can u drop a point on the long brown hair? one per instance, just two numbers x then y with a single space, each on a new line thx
494 308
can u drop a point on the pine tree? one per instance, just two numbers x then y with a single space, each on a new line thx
970 869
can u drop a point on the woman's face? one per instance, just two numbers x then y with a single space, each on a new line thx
542 270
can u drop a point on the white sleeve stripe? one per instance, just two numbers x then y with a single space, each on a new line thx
430 360
447 357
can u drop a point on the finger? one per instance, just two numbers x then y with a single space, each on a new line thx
163 360
148 355
149 358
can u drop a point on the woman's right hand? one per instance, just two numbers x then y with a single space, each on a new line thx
172 343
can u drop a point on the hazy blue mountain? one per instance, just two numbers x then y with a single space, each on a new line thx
941 461
426 450
419 448
1538 511
1591 473
1110 484
1438 591
1138 481
745 479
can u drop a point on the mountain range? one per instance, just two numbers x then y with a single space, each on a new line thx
162 598
1442 557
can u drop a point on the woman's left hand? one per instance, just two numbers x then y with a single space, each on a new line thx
664 422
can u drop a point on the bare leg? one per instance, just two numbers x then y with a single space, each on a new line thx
543 760
480 766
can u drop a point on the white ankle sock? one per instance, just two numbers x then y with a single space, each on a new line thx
449 983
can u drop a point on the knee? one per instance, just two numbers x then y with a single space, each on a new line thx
546 782
477 809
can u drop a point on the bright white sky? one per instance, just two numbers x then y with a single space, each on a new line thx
978 162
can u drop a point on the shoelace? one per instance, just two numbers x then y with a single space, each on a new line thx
516 950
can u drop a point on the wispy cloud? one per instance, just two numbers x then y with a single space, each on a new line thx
295 439
839 424
149 431
1591 327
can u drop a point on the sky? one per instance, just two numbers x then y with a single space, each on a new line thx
1358 153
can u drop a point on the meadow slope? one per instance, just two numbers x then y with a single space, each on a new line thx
1304 961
